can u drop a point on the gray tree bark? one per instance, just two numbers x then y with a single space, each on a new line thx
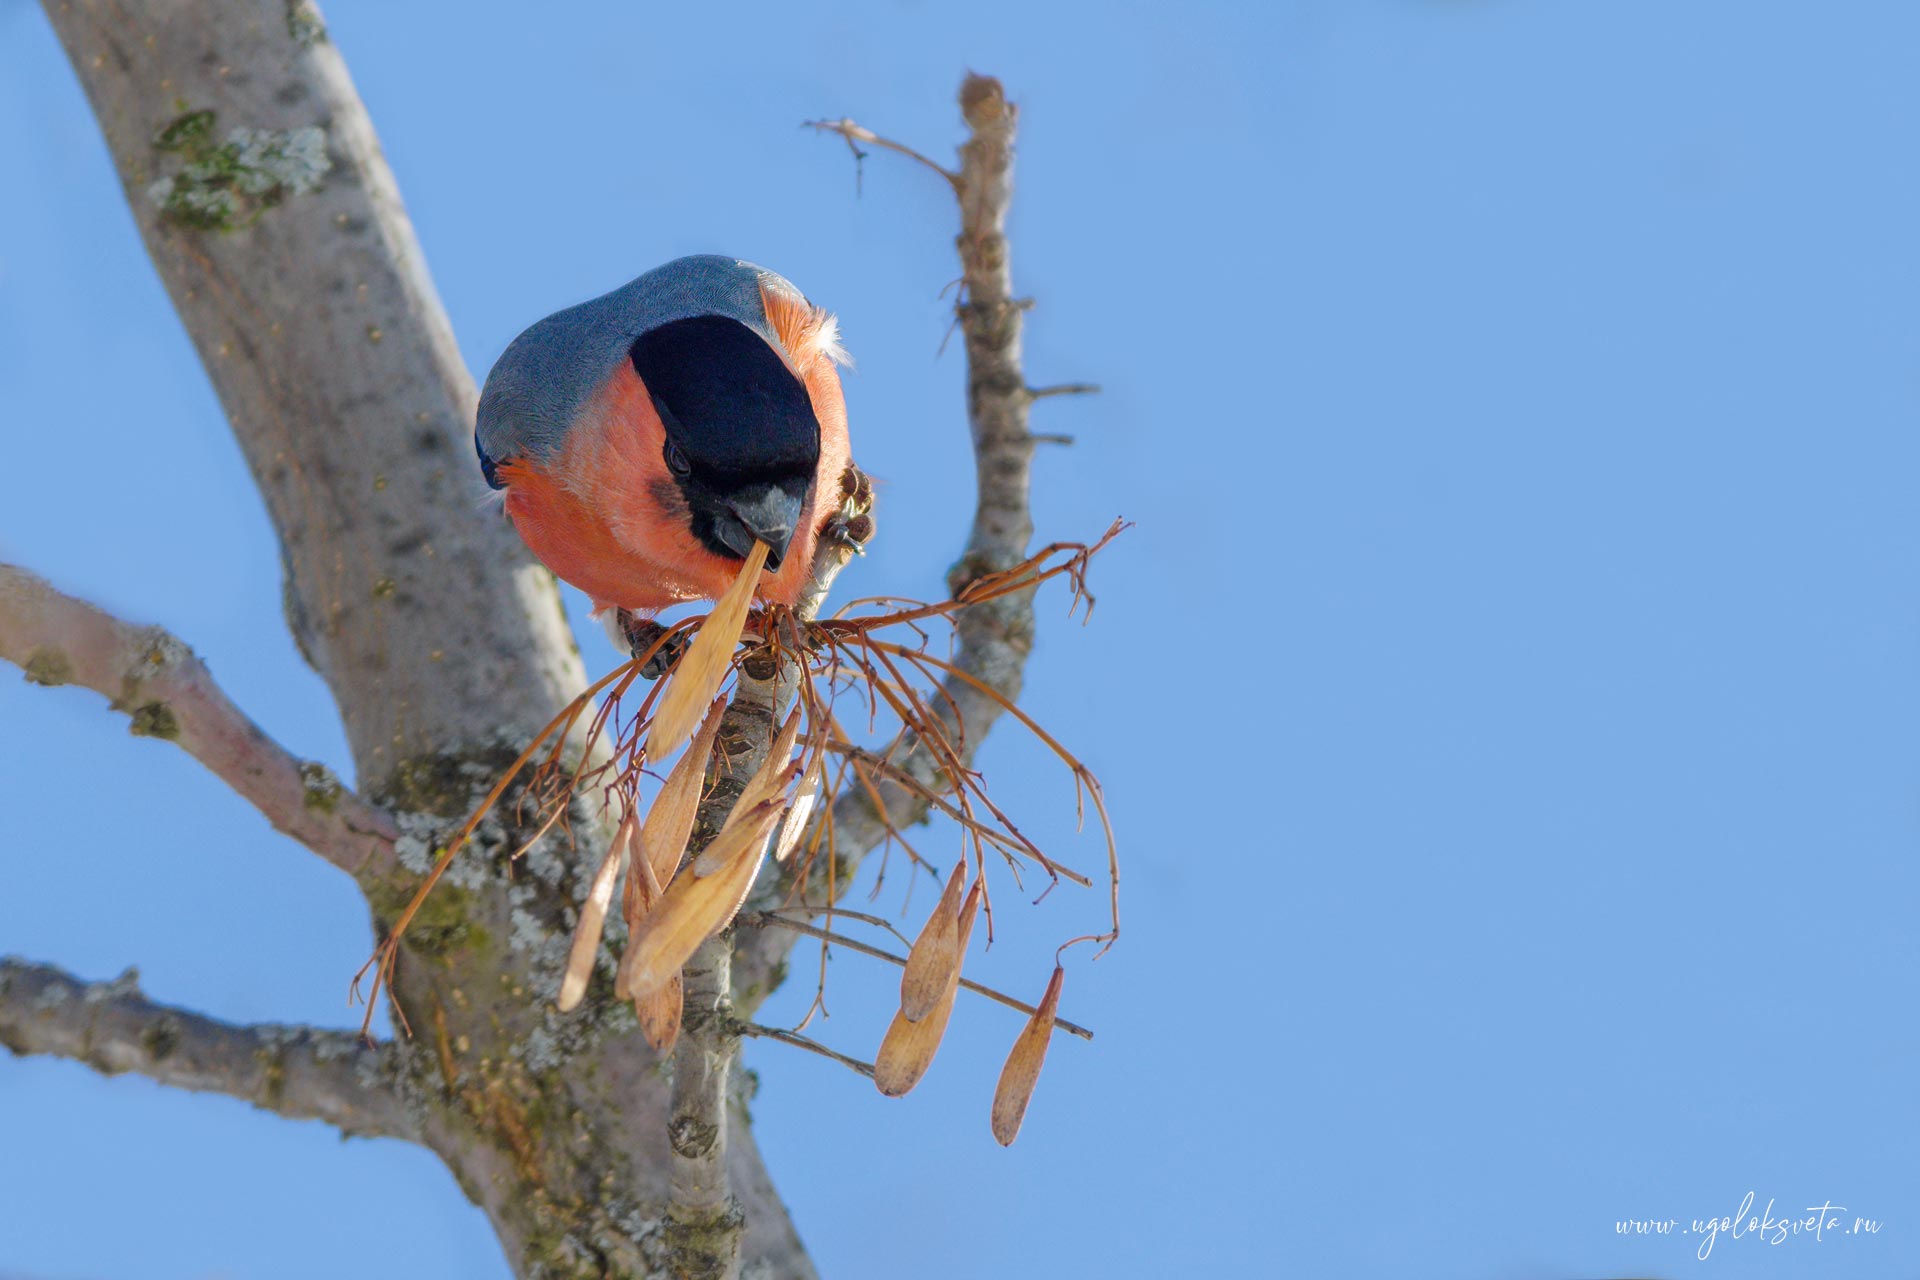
260 191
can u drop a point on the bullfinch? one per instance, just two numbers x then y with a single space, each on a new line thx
647 439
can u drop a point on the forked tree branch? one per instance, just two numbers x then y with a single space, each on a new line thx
167 692
261 192
297 1072
279 233
257 183
994 637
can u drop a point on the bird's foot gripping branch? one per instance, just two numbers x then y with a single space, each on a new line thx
690 844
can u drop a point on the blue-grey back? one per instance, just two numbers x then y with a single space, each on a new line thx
548 373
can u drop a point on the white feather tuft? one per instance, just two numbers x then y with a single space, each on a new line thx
819 333
826 339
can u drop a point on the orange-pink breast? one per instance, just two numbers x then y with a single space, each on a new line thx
606 515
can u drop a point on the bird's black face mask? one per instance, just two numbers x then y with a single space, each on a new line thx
742 439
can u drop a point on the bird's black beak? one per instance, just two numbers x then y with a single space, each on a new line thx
767 512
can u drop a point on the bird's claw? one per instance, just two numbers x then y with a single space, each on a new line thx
641 635
851 524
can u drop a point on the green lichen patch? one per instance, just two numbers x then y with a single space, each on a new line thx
427 784
228 186
319 789
188 133
48 667
442 926
155 720
443 785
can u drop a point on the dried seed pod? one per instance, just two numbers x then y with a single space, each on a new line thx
934 961
670 821
769 781
908 1049
695 907
794 825
644 892
774 805
659 1012
659 1009
704 666
1022 1071
761 785
630 906
593 917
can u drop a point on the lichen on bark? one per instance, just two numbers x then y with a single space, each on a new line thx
226 186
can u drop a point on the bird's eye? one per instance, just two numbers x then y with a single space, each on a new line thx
488 467
677 461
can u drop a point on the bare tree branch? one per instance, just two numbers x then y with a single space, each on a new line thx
297 1072
168 693
259 187
994 637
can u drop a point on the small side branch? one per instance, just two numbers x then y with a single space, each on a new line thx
855 134
1064 389
995 635
167 692
297 1072
799 1041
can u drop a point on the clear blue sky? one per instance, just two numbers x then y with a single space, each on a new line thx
1510 699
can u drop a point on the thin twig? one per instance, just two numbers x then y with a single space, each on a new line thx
857 133
799 1041
762 919
834 909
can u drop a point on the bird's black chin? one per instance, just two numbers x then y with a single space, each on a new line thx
766 513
